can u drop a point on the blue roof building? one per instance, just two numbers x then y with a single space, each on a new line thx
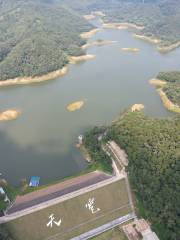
34 182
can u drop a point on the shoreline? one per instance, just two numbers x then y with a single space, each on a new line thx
157 42
166 49
77 59
123 25
87 35
98 43
137 107
29 80
168 104
146 38
8 115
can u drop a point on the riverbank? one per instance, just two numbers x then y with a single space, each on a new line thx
87 35
9 115
77 59
46 77
148 39
137 107
159 84
160 45
124 25
38 79
98 43
166 49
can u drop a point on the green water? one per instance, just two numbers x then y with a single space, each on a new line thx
42 140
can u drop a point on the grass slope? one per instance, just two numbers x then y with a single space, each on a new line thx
76 219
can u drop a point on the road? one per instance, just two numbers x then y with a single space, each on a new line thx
120 159
105 227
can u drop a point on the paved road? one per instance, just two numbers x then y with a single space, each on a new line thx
121 158
104 227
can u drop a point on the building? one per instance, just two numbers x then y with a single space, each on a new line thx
2 192
34 182
139 230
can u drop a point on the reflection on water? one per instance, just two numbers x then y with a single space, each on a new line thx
41 142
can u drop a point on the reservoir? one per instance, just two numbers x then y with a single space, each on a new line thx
42 140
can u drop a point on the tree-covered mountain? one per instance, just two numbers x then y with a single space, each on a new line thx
160 17
37 36
153 150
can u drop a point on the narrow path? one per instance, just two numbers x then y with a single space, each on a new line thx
104 227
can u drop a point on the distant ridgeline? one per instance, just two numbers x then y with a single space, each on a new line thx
172 88
36 37
152 146
160 17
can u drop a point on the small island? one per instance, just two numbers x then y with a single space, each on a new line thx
131 50
75 106
9 115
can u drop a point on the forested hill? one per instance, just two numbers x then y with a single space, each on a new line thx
160 17
153 150
36 37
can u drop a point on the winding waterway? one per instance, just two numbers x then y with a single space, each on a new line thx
42 140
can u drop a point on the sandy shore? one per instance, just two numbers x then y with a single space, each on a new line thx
166 101
166 49
137 107
133 50
74 60
29 80
148 39
157 82
10 114
89 34
98 43
122 26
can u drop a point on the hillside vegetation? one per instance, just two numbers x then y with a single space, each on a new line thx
160 17
37 36
172 88
152 146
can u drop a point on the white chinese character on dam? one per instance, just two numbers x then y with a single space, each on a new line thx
91 206
52 221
